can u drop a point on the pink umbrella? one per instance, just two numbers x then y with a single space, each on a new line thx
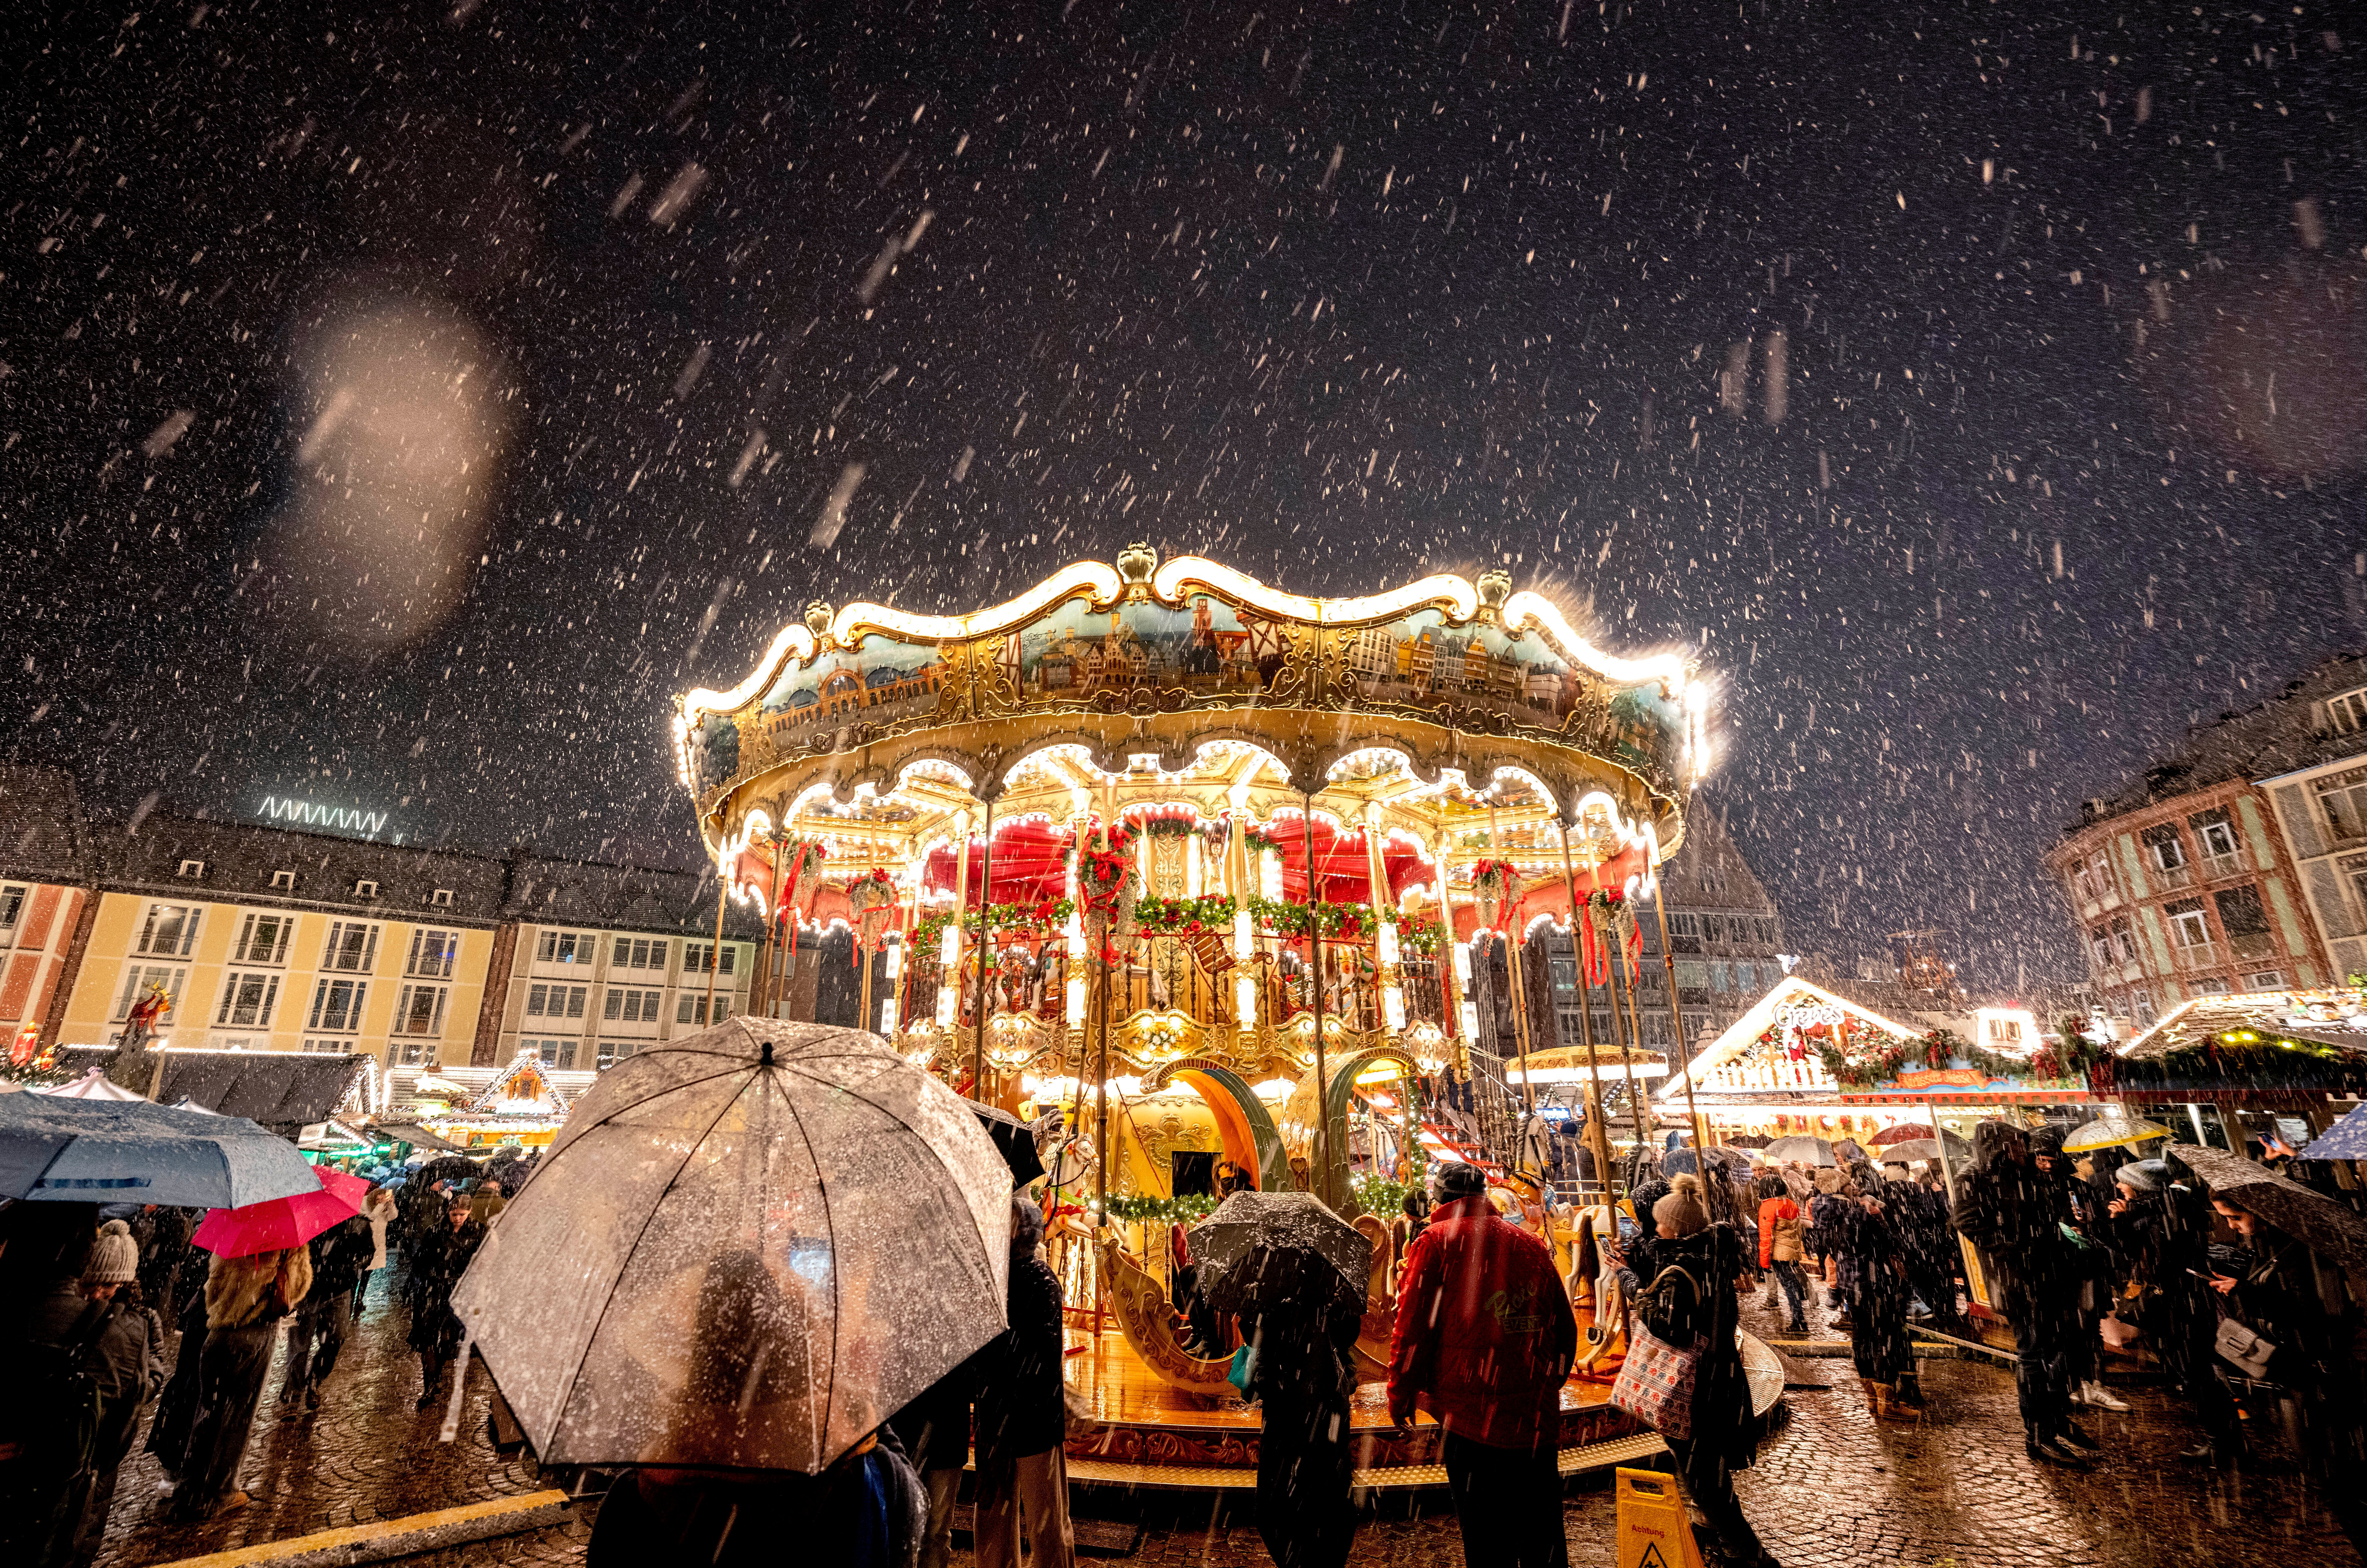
278 1222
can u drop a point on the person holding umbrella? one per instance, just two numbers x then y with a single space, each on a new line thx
1485 1337
245 1298
1295 1274
1023 1414
2162 1232
341 1258
2009 1209
439 1259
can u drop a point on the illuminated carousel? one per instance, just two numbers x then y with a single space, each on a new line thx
1205 865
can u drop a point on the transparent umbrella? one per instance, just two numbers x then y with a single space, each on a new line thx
744 1251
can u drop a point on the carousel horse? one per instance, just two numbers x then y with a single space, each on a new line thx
1594 1278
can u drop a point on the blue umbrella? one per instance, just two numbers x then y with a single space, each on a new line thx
98 1151
2347 1139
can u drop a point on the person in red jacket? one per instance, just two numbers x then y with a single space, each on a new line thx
1484 1339
1781 1244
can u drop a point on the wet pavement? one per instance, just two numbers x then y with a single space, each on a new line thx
1832 1487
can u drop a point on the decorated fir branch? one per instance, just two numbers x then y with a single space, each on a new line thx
1859 1055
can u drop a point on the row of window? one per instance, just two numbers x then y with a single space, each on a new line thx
250 999
1722 928
623 1004
629 953
170 931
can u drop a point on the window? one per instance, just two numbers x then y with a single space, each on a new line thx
412 1047
2216 830
138 977
696 958
284 880
365 889
419 1009
567 947
328 1048
2265 980
692 1008
2343 797
2100 947
441 897
170 930
625 1005
2141 1003
2348 713
263 939
2241 912
555 1002
1692 975
614 1051
12 906
2163 848
2124 937
554 1053
431 953
2354 871
337 1005
2188 926
247 1002
352 946
192 869
638 952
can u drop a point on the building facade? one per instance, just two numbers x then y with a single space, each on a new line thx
2322 811
269 938
2187 883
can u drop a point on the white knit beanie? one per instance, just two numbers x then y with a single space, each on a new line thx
114 1257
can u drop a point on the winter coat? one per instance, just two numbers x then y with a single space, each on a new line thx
1484 1333
866 1511
1021 1405
341 1257
1780 1239
2276 1295
439 1259
1723 1422
2009 1210
379 1209
258 1287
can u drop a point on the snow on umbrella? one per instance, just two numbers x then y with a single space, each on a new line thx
745 1250
278 1223
2347 1139
132 1151
1899 1133
1914 1149
1016 1140
2310 1217
2109 1131
1799 1147
1259 1250
93 1084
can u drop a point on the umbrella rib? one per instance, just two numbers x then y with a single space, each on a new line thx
821 1186
689 1152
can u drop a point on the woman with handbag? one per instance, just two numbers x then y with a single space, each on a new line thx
1683 1371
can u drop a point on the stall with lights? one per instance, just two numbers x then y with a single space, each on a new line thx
2229 1071
1156 842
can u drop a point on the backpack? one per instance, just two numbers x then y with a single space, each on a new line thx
49 1407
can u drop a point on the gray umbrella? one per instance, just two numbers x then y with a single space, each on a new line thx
1926 1149
745 1250
2310 1217
1799 1147
105 1151
1259 1250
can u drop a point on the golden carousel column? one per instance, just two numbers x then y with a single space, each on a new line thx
1504 909
1598 1136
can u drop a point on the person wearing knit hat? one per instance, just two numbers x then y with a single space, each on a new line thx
1690 1302
114 1259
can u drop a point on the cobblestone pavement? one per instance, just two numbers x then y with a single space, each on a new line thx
1832 1488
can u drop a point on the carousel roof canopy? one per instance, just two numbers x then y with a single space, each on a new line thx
1445 718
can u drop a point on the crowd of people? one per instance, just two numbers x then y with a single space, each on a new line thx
116 1308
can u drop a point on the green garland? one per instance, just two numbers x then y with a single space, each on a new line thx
1189 1209
2070 1056
1213 912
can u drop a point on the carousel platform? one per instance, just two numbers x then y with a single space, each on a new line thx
1155 1434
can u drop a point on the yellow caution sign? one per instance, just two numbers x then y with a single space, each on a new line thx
1653 1529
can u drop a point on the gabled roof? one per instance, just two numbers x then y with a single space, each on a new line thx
1790 991
2315 1017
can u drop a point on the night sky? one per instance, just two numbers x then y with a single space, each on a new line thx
400 402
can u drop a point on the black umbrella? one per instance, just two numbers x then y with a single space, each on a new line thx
448 1167
1014 1139
2310 1218
1263 1250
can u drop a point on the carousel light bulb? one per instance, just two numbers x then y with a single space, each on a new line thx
1076 933
1393 1004
1076 1002
945 1007
1470 1021
1244 943
949 944
1191 866
888 1016
1245 1006
1463 963
1385 941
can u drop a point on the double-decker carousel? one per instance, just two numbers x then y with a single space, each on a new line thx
1204 866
